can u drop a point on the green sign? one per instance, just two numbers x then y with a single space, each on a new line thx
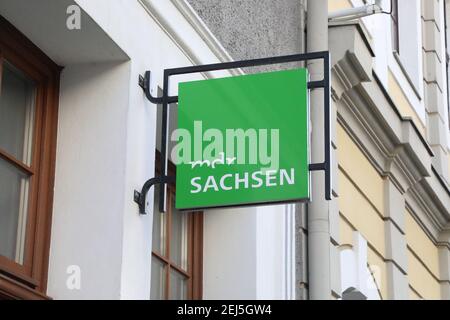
242 140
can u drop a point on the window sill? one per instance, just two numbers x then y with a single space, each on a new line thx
11 289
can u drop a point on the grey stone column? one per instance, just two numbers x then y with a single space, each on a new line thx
396 247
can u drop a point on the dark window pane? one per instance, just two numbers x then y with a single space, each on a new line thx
17 97
179 237
158 279
178 286
159 227
14 188
395 27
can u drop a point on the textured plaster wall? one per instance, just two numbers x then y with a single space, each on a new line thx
254 28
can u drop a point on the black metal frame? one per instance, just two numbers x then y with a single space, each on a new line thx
165 100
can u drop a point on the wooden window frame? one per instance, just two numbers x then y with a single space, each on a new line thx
29 280
194 271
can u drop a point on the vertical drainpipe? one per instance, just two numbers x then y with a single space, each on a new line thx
319 276
301 226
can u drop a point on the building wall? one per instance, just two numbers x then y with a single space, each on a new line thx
390 221
116 240
254 28
130 139
394 214
361 204
106 134
435 83
423 261
82 215
372 196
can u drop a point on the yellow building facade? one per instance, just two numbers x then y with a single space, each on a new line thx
392 150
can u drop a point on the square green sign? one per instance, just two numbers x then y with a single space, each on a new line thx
242 140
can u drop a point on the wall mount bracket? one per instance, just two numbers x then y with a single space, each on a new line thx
144 82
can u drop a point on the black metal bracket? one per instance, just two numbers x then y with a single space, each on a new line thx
166 100
141 197
144 83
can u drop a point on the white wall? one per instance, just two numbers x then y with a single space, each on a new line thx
227 236
248 253
275 242
117 227
150 45
230 254
87 214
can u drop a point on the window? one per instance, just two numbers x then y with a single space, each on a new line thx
407 49
177 251
17 107
28 111
395 26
